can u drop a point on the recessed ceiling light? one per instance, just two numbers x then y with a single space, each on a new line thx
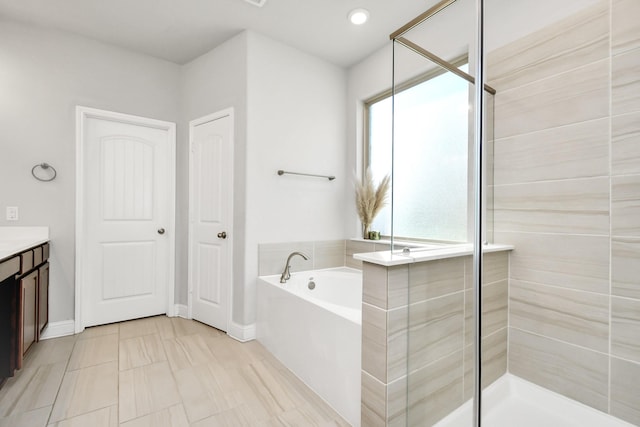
258 3
358 16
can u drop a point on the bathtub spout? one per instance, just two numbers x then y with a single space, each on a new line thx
286 274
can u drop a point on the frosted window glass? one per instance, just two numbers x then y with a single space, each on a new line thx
431 159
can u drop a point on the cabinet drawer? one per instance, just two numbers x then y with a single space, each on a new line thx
37 256
45 252
26 261
9 268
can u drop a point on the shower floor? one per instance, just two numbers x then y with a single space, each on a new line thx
512 401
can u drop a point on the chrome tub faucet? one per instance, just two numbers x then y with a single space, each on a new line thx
286 274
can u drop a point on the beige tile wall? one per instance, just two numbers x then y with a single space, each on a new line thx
418 319
567 196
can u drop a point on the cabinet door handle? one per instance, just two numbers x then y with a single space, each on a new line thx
222 235
160 230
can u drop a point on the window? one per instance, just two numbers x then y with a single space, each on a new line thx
431 158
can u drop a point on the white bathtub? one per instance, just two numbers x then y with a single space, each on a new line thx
316 333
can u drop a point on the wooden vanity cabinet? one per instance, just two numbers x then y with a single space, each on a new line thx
9 316
43 297
29 304
24 305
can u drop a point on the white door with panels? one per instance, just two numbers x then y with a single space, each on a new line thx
126 203
210 214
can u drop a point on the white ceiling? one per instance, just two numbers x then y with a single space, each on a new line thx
180 31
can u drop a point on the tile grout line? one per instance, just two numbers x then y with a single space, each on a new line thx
75 342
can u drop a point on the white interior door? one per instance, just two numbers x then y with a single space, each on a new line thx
210 212
127 217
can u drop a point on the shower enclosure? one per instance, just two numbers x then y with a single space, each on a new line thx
549 166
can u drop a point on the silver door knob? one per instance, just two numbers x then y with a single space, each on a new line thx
160 230
222 235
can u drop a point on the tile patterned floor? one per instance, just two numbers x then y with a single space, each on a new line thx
157 372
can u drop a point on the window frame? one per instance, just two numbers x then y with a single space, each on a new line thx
366 132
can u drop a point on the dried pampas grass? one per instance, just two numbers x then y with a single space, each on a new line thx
370 199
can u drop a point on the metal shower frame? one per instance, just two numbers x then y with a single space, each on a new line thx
479 115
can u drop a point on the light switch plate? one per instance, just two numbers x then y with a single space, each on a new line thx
12 213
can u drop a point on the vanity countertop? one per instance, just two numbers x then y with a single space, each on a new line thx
14 240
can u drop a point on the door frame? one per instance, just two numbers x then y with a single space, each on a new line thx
82 114
192 124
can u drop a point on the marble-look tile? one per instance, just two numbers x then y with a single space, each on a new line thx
94 351
35 418
435 278
300 416
580 39
328 254
625 82
272 257
261 383
495 298
145 390
170 417
231 353
625 328
574 206
357 247
138 328
435 329
99 331
575 96
575 372
570 261
374 402
625 206
374 341
397 336
579 150
204 391
105 417
306 400
375 285
625 32
397 286
625 144
580 318
31 388
495 268
86 390
435 390
187 350
625 390
141 351
182 327
50 351
625 265
494 361
397 403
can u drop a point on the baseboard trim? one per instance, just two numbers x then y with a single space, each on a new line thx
242 333
181 310
58 329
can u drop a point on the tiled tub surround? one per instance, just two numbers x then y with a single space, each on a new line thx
322 254
424 309
567 196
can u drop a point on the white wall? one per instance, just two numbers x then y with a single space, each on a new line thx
215 81
43 76
296 121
